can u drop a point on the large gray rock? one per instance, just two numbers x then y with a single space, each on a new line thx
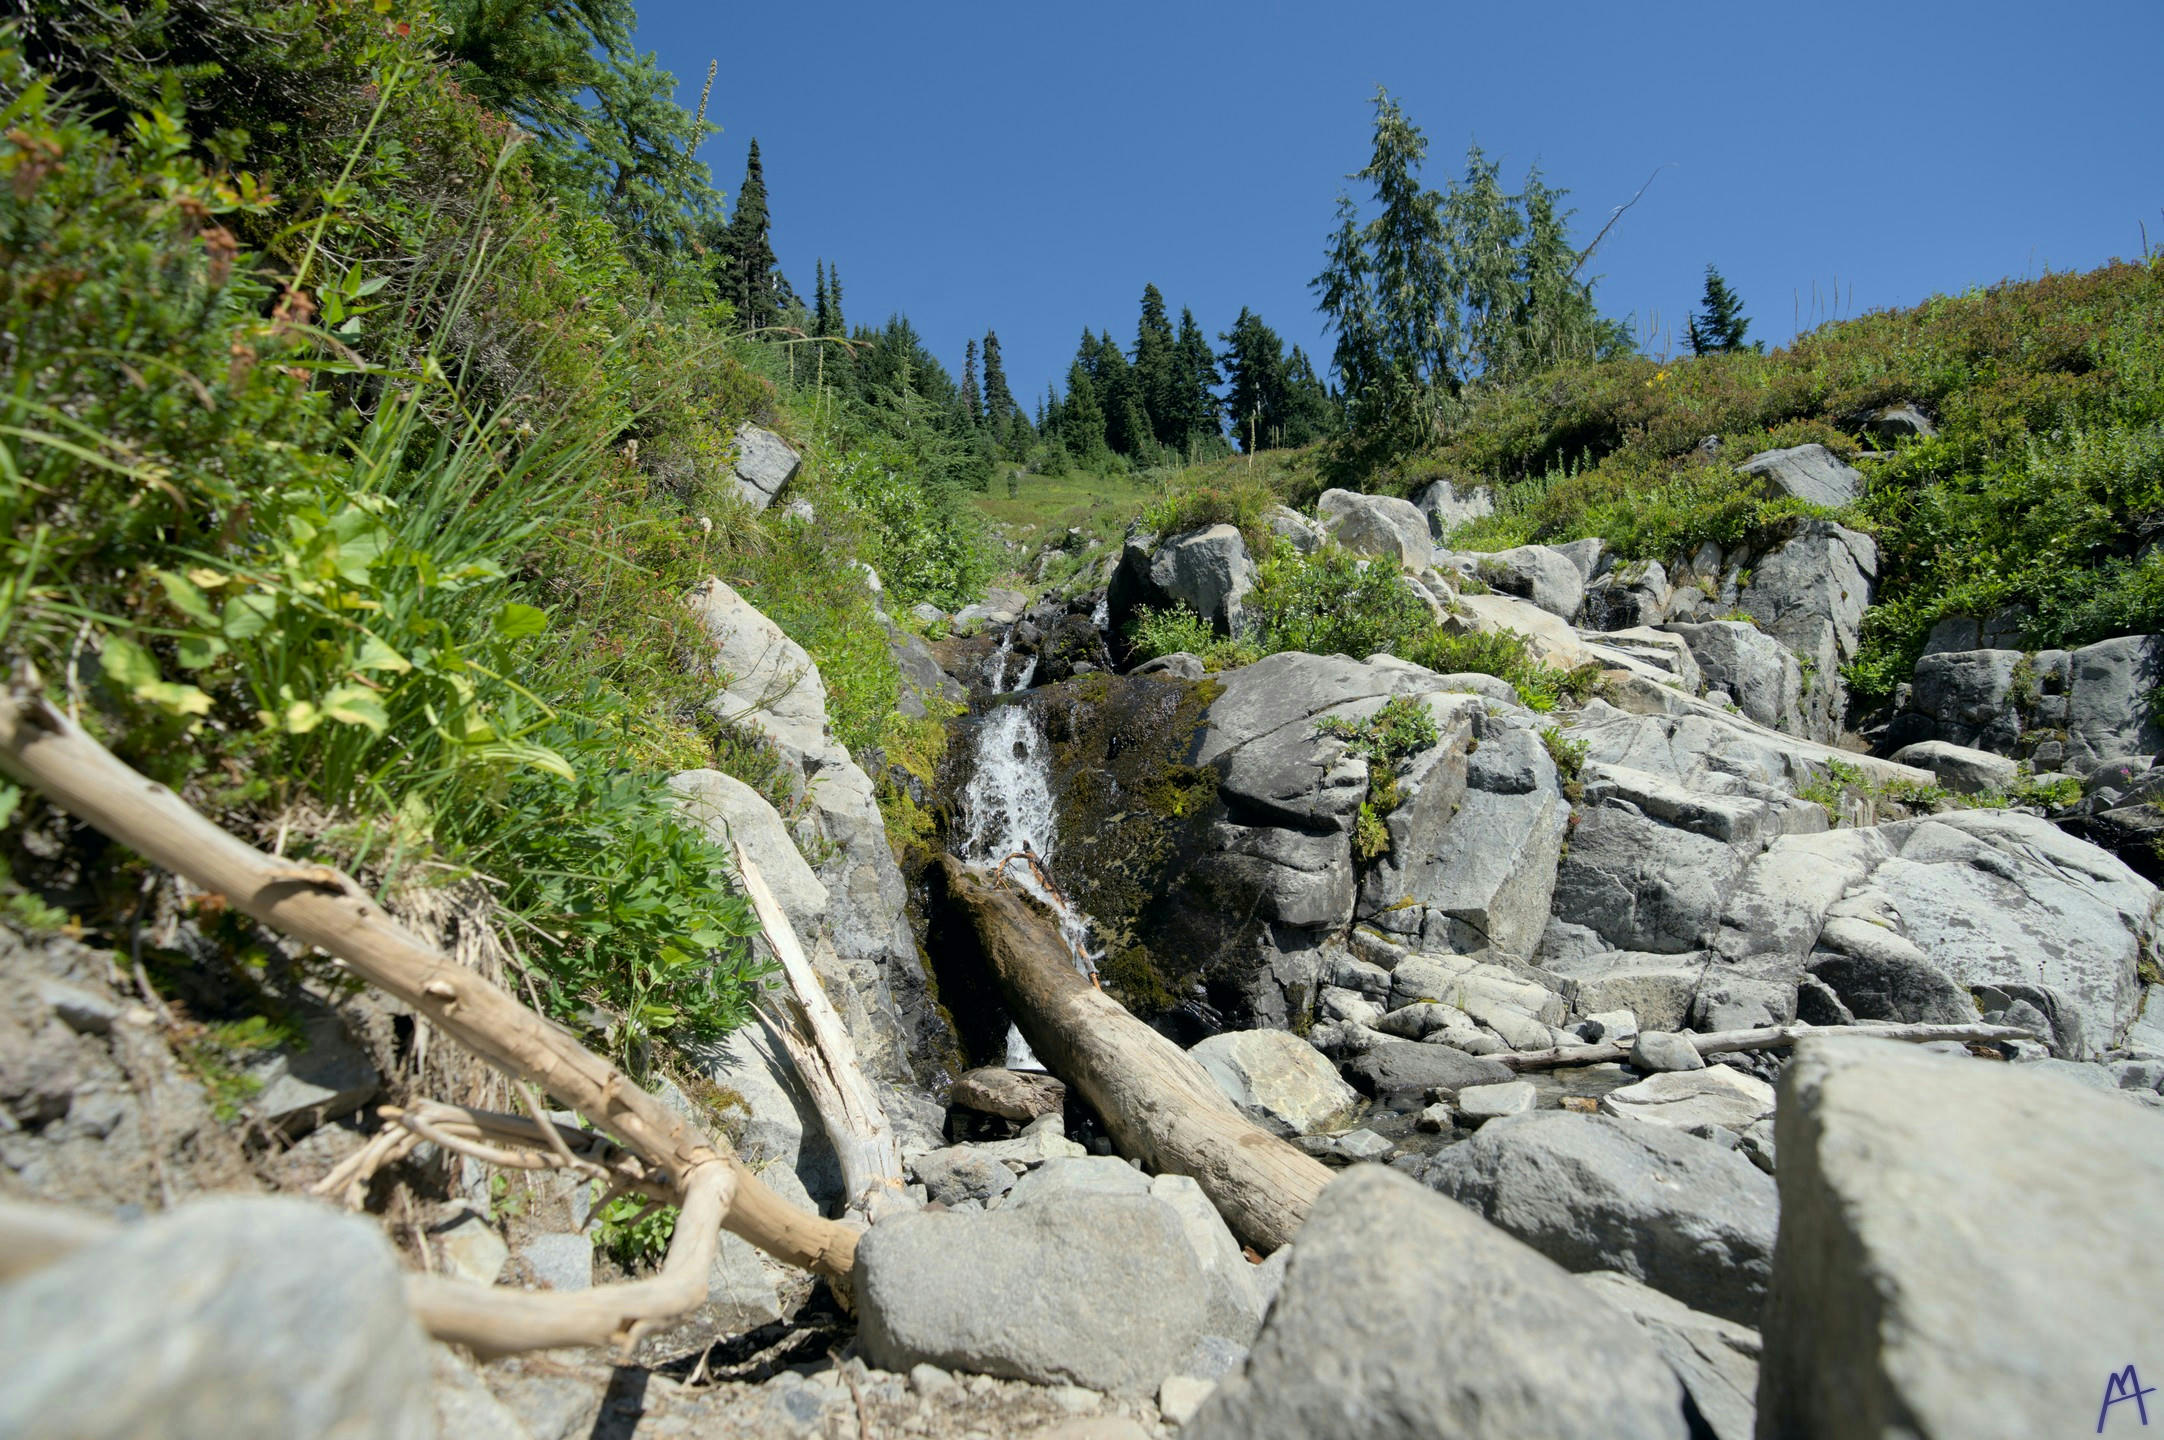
1231 1305
1473 847
1377 525
1289 525
1447 507
1403 1317
763 1108
1960 769
2109 712
925 683
1716 1359
1207 571
770 685
1628 596
1685 1216
1810 593
1808 472
1640 883
1966 1249
1758 671
1082 1289
321 1075
242 1319
1691 1099
1279 1074
724 808
1894 423
764 463
1967 697
1546 576
1406 1074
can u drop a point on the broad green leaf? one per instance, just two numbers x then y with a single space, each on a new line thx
300 717
515 621
196 651
185 597
375 655
129 666
247 616
357 705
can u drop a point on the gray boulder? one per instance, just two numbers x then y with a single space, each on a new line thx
1207 571
1641 883
1080 1289
1691 1099
1478 1104
1406 1075
1894 423
2001 1312
1880 975
724 808
1808 472
1689 1218
1757 670
1473 847
1960 769
1628 597
1810 593
245 1319
1072 1174
1232 1307
2109 714
1377 525
764 463
1279 1074
1658 1052
1546 576
1716 1359
1405 1318
1020 1095
1447 507
1295 529
962 1172
924 681
322 1075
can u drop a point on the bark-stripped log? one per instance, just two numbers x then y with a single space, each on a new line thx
811 1030
1157 1101
1765 1037
325 908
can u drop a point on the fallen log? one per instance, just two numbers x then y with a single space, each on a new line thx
811 1030
1765 1037
1159 1104
324 907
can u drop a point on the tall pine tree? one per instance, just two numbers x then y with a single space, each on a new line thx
1157 369
972 402
999 406
1721 324
1198 420
749 277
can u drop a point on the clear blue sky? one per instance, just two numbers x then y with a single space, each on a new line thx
1030 167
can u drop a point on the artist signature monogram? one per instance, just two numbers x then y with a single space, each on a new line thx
2121 1389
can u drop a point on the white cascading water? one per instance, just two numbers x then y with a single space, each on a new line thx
1007 806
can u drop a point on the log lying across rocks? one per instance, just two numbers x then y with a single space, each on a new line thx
1157 1101
1765 1037
323 907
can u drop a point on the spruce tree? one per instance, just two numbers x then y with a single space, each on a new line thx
821 316
749 278
1721 324
1254 361
1157 369
999 406
1199 419
972 402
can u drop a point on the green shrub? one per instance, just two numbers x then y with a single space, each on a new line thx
1397 731
1334 603
1171 631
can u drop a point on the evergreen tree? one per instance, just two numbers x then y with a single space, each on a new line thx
1082 416
834 302
1127 420
1157 369
1254 360
749 278
1721 324
999 406
1198 419
1310 410
972 402
822 317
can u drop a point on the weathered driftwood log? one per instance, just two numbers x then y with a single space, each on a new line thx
811 1030
1766 1037
324 907
1158 1103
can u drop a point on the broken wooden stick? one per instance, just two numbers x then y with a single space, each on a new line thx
1766 1037
324 907
811 1030
1157 1101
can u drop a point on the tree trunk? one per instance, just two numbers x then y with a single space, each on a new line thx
1765 1037
1158 1103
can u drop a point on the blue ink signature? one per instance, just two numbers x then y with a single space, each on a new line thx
2120 1388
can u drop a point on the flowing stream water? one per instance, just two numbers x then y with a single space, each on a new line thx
1007 810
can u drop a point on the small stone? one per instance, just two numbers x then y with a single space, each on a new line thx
1362 1144
1437 1119
930 1380
83 1011
1660 1051
471 1249
1181 1396
560 1262
1615 1025
1478 1104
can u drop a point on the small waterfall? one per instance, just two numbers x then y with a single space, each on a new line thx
1007 807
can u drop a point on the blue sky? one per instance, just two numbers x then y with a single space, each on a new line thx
1031 167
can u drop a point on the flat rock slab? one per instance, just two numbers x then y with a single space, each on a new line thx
1714 1095
1083 1289
1688 1217
1716 1359
1406 1074
1403 1317
1478 1103
1278 1073
1966 1249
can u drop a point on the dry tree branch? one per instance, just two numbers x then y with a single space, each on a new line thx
1765 1037
321 906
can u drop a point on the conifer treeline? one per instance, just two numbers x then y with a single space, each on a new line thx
1156 403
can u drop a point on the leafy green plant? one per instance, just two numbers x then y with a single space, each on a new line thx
1400 729
631 1233
1171 631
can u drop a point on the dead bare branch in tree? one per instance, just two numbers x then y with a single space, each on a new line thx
1613 216
1767 1037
